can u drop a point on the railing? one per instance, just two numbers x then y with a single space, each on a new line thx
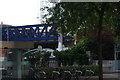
30 32
65 75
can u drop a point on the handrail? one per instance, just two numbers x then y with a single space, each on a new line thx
30 33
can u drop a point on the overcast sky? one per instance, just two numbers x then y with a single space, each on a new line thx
19 12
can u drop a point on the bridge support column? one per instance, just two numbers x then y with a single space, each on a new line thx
17 67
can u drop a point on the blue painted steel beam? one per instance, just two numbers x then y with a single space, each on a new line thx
30 33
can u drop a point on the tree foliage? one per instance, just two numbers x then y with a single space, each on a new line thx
85 17
81 17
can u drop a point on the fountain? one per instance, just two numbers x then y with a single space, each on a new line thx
52 61
49 50
40 50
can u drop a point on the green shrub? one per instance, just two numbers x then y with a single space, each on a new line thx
94 68
77 54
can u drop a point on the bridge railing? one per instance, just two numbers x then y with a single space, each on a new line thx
30 32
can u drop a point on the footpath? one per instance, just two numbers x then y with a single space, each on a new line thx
106 76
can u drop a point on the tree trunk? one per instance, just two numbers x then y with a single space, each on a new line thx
100 63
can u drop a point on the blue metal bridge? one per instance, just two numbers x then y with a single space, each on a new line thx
30 33
19 38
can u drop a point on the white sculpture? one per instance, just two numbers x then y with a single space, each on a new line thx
60 47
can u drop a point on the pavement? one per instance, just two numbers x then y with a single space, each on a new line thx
112 75
106 76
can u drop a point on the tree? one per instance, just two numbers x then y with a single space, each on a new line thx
84 18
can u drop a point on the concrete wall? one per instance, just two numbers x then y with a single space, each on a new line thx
17 44
109 65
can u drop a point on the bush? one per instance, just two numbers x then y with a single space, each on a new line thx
94 68
75 54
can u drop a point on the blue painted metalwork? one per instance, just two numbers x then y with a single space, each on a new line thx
29 33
